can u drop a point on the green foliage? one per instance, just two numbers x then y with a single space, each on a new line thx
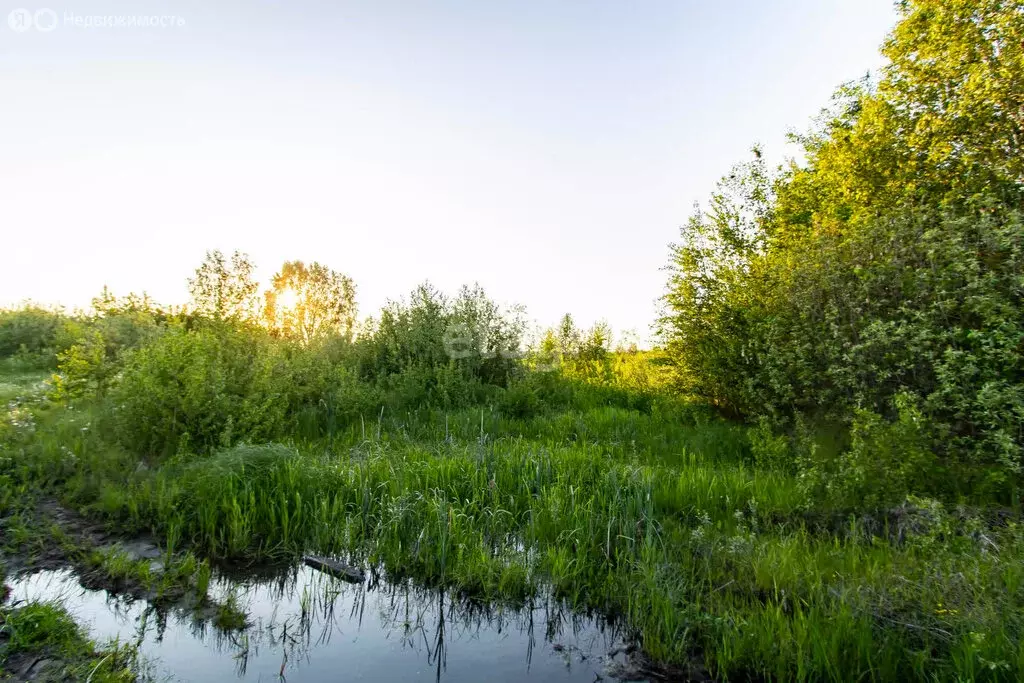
769 450
33 335
82 370
223 289
885 463
442 350
125 323
349 398
35 338
310 303
194 385
520 400
890 263
201 388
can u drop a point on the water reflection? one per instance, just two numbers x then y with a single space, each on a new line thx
307 626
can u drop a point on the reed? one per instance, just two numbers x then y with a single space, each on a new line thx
667 525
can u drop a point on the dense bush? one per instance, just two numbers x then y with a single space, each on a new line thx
219 384
890 264
923 302
83 369
35 335
439 337
41 338
886 461
202 388
520 401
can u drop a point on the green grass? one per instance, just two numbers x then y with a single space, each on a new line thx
20 384
659 519
167 580
47 630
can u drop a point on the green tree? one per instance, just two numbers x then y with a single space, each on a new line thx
224 289
310 302
888 264
568 336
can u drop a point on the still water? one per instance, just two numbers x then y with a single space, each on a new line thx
307 626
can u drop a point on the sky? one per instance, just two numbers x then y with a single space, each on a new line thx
548 150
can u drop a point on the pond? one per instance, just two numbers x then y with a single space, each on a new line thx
307 626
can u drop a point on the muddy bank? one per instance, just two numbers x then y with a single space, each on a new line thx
44 535
53 538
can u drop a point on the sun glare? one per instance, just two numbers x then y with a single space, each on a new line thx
288 298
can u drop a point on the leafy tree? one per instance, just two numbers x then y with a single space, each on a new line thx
713 281
596 343
889 265
310 302
224 289
567 336
434 348
30 330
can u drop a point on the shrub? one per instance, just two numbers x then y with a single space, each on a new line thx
769 450
352 398
520 401
35 335
201 389
83 369
449 345
886 461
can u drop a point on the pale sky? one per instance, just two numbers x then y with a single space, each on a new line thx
549 150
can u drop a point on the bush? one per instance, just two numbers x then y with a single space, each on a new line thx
886 461
352 398
36 335
520 401
769 450
82 370
449 346
202 389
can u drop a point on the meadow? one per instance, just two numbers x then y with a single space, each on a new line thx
814 474
592 480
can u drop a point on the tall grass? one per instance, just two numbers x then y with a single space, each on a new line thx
705 540
667 524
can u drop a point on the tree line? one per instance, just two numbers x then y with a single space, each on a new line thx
304 302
